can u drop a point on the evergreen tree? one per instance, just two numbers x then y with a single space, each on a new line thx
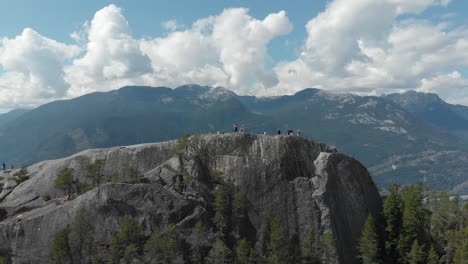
433 256
130 172
94 171
393 212
274 255
6 255
82 234
244 252
59 250
129 236
310 248
197 233
327 245
461 255
415 221
452 243
416 254
163 244
294 250
130 253
465 215
368 243
219 253
239 212
220 206
65 181
445 215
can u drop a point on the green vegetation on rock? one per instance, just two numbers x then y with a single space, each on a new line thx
65 181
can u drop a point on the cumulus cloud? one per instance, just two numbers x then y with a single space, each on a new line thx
361 46
242 46
449 86
33 69
171 25
364 46
229 50
112 56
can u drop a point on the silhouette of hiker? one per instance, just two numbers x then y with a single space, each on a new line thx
4 166
235 128
279 132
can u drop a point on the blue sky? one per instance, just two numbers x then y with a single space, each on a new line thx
58 18
251 47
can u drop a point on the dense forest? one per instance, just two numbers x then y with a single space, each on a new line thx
420 227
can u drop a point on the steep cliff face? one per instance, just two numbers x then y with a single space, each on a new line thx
302 183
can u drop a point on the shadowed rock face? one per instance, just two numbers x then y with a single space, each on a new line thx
303 183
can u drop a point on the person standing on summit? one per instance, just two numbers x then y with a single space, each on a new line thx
235 128
4 166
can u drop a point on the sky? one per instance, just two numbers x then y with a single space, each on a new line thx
60 49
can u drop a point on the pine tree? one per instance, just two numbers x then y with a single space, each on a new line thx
416 254
274 255
65 181
60 250
393 212
130 235
433 256
465 215
294 250
461 255
368 243
239 212
219 253
220 205
197 233
244 252
82 233
415 221
94 171
327 245
445 215
6 255
130 171
310 248
163 244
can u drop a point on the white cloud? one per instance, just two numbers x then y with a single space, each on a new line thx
241 42
449 86
113 57
171 25
33 69
364 46
227 50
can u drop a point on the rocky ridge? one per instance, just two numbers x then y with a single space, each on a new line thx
303 183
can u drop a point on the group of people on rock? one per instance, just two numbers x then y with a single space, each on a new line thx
4 167
290 131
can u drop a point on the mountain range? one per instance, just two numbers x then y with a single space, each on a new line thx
401 138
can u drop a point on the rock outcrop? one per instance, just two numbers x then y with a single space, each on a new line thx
303 183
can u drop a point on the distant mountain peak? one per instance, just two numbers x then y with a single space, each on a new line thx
308 92
414 97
